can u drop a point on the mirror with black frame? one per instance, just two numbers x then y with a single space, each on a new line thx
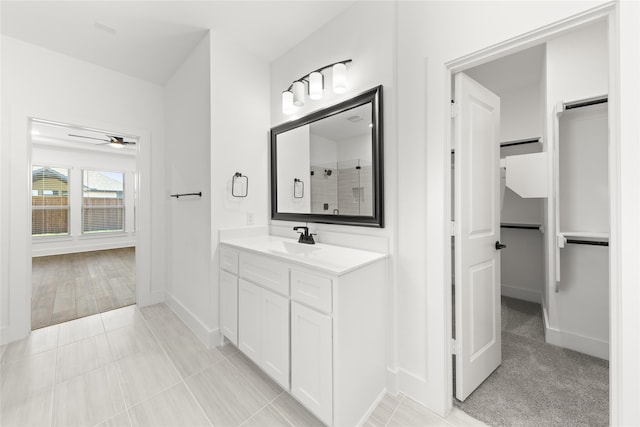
326 167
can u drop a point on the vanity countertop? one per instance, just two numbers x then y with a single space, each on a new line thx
335 260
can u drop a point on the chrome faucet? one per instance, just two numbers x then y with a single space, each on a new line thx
305 237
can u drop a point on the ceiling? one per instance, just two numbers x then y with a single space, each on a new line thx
151 39
517 70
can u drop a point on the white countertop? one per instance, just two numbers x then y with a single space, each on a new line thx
336 260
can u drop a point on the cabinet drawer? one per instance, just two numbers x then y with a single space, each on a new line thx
229 260
309 289
266 272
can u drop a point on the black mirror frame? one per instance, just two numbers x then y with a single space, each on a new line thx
377 220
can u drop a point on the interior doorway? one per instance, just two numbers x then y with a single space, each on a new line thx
561 322
84 195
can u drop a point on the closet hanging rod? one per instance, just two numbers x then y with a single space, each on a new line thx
521 226
585 102
519 142
178 195
587 242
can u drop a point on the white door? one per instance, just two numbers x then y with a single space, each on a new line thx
311 361
274 336
249 320
477 218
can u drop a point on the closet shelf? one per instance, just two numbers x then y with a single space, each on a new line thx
585 235
582 238
534 140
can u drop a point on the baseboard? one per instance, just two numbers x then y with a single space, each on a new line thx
372 408
413 386
582 344
44 248
209 337
392 381
519 293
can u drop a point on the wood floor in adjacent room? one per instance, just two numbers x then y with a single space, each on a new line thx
71 286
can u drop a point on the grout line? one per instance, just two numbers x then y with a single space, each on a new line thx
176 370
119 375
265 406
53 388
396 408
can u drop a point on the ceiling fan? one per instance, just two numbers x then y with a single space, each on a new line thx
115 140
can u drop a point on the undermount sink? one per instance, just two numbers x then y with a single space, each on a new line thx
295 248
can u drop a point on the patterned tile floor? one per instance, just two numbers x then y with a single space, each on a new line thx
144 367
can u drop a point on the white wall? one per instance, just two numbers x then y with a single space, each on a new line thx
323 151
188 170
72 91
625 232
430 35
76 161
239 143
294 152
521 113
522 262
372 49
578 315
217 111
357 147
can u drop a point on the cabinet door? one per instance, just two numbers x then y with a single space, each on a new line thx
311 361
249 320
229 306
274 343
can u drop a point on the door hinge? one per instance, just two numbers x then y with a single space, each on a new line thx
454 348
452 228
454 109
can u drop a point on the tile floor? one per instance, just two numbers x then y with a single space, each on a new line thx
144 367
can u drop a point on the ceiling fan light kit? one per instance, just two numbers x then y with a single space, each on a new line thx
113 141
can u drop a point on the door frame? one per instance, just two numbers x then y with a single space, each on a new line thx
20 286
607 13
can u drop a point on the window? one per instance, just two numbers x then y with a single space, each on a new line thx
102 201
49 201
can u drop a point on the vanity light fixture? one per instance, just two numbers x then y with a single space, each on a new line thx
316 85
294 96
339 77
287 102
298 93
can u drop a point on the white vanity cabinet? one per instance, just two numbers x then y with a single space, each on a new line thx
311 360
229 294
263 314
313 318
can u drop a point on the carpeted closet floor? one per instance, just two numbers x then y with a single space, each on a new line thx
70 286
539 384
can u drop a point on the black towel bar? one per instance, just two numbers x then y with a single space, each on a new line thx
178 195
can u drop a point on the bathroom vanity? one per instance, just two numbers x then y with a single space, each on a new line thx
312 317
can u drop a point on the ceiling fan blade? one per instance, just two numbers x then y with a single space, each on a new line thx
120 140
88 137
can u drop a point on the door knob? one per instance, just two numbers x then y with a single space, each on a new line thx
499 245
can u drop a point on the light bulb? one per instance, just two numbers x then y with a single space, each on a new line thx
287 102
298 93
316 85
339 78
